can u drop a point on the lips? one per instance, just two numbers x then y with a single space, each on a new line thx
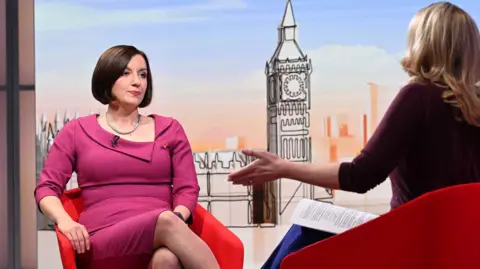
135 93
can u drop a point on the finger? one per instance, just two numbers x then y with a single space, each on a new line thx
244 180
76 241
81 240
87 238
72 241
244 172
252 179
256 179
261 154
256 182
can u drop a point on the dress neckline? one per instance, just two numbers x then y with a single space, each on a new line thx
127 140
138 149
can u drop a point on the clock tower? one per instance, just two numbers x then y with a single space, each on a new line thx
288 107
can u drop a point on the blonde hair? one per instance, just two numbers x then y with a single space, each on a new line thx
443 47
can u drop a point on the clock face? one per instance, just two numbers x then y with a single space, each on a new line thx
293 85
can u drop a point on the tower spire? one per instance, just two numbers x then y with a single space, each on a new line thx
288 19
287 37
287 30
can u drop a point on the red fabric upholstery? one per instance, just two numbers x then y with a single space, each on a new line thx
437 230
227 248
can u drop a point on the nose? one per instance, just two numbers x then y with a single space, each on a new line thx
136 80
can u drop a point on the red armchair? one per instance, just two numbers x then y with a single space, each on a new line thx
227 248
437 230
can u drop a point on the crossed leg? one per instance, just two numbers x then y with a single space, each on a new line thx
176 236
163 258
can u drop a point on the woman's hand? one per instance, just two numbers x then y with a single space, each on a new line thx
76 233
267 167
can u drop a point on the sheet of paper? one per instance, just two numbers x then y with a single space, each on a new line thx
327 217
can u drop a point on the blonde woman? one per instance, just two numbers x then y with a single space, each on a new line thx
428 139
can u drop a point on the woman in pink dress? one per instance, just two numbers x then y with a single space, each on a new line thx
136 173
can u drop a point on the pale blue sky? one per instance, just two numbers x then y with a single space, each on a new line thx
208 56
220 46
234 32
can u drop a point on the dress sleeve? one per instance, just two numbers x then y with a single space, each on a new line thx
185 182
400 126
59 164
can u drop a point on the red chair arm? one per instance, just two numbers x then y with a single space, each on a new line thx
226 246
66 251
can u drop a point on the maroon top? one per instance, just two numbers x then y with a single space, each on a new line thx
419 144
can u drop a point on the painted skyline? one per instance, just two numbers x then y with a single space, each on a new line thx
208 57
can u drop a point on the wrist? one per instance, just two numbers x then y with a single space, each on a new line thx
287 169
63 219
179 215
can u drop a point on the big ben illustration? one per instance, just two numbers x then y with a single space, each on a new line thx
288 109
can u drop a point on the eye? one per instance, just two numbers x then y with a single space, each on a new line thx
143 75
126 73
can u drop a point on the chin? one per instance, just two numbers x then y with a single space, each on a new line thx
130 103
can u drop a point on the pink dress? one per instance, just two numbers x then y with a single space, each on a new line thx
125 186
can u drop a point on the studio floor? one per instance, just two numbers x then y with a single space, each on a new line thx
258 242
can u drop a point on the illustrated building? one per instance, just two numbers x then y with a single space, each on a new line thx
288 112
373 108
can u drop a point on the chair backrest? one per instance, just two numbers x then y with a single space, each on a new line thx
437 230
73 203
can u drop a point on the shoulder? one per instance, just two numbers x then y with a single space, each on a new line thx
416 102
171 130
417 89
86 119
417 95
66 135
87 122
163 123
70 126
161 119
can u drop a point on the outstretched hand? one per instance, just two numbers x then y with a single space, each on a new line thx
267 167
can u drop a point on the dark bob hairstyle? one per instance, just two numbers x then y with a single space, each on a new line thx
110 66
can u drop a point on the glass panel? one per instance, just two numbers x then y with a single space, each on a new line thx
28 210
3 46
3 180
26 42
3 145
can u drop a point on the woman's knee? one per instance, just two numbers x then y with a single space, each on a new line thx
168 220
167 224
163 258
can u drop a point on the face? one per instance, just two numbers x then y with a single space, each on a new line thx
129 89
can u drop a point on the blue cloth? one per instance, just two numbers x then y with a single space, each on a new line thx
296 238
